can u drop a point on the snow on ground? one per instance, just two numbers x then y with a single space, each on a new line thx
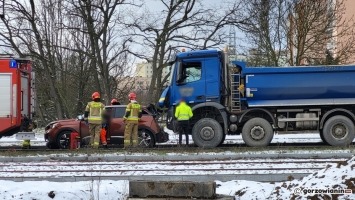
41 190
337 177
333 177
174 138
340 177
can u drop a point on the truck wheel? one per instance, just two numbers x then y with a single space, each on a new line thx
257 132
146 139
321 134
207 133
223 139
339 131
63 139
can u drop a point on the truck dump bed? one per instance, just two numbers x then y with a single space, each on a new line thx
299 86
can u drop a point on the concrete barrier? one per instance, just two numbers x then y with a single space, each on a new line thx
180 189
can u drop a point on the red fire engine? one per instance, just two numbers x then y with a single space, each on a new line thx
16 97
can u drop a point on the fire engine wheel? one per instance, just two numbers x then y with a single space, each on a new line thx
146 139
207 133
257 132
63 139
338 131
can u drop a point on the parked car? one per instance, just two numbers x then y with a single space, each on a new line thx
57 133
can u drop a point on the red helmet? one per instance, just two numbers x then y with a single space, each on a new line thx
113 101
95 95
132 96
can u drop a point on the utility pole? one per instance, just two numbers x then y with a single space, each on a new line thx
232 49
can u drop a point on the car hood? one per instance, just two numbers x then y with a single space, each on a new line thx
63 121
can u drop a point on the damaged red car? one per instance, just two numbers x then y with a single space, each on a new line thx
57 133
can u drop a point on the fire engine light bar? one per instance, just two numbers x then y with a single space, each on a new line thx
13 64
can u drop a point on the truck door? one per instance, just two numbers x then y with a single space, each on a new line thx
190 82
25 96
5 102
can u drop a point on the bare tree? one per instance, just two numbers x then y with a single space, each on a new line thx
187 23
100 18
316 28
55 34
265 30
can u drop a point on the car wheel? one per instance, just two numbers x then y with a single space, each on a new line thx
51 145
257 132
338 131
63 139
145 139
207 133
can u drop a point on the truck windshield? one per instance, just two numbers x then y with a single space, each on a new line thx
172 68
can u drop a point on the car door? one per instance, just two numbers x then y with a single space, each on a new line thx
116 125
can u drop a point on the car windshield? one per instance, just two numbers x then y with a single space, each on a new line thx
119 112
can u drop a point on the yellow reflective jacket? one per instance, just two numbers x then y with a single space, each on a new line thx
95 110
183 112
133 111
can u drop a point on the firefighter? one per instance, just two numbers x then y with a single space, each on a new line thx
27 125
103 134
94 112
115 102
131 118
105 125
183 113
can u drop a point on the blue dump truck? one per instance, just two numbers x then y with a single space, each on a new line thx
256 102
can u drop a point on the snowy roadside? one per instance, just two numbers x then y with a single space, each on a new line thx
333 177
296 138
339 177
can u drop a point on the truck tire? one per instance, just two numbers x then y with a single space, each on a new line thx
322 137
223 139
338 131
257 132
207 133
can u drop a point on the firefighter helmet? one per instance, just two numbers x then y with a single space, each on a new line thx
132 96
114 101
95 95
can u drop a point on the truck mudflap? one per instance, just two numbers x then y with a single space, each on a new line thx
25 136
162 137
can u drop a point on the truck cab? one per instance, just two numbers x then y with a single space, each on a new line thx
199 77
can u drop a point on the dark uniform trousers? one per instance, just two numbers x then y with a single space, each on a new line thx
183 129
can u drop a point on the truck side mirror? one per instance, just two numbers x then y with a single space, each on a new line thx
180 76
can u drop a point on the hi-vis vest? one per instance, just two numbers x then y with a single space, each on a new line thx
133 109
183 112
95 110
